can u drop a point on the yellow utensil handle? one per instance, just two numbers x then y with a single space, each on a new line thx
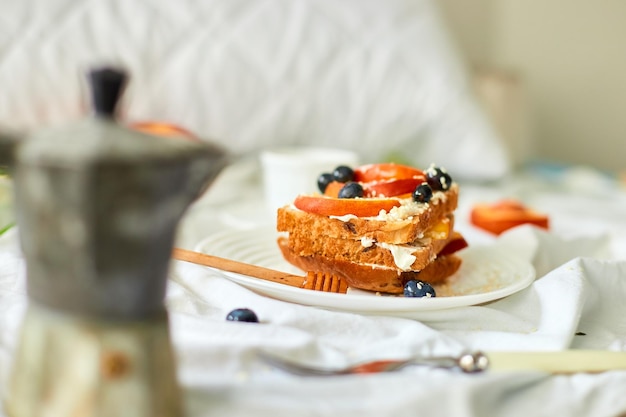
559 362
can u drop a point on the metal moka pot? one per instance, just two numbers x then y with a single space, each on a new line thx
97 210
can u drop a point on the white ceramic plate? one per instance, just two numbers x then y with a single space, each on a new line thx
486 274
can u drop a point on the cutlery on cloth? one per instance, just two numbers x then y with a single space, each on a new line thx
469 362
555 362
318 281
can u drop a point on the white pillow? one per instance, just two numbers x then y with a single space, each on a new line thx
379 77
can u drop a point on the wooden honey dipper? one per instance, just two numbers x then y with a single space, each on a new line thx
318 281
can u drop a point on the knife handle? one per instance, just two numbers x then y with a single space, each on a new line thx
558 362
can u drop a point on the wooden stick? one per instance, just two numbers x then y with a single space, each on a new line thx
239 267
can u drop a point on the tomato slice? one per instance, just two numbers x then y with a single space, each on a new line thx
385 171
391 188
329 206
504 215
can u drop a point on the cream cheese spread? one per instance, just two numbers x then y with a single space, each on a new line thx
367 242
402 255
345 218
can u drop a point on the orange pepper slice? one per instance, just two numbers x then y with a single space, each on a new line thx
498 217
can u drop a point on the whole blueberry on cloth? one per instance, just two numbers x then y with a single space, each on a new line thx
419 289
242 314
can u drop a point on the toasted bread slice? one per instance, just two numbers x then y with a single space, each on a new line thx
370 276
410 256
402 224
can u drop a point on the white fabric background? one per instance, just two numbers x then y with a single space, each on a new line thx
375 76
581 266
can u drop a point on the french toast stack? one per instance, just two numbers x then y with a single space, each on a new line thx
383 226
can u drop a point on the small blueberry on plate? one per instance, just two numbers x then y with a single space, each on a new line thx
419 289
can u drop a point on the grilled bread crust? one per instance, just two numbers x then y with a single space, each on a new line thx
424 250
372 277
394 231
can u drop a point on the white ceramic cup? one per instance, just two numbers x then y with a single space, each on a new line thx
290 171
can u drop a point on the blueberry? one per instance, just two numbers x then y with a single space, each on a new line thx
242 314
438 178
415 288
423 193
343 173
323 180
351 190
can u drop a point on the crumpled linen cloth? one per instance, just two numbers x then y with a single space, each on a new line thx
577 301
